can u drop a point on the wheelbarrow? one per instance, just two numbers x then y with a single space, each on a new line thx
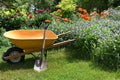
29 41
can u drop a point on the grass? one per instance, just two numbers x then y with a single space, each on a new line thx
61 66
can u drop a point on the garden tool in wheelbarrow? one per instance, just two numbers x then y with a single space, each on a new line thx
41 64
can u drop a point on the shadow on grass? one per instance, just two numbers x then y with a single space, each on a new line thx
101 67
74 55
27 64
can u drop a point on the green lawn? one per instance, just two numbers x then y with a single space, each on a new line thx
61 66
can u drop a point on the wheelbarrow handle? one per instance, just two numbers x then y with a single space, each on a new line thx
62 43
59 35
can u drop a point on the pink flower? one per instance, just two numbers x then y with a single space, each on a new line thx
40 11
48 9
30 16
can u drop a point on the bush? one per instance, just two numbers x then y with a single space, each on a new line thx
9 23
90 5
12 18
116 3
15 19
115 14
97 40
67 7
3 40
42 4
107 54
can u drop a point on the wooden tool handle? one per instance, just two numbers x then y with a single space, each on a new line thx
59 35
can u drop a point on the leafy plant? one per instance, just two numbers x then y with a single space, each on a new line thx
115 14
3 40
96 39
107 55
67 7
100 5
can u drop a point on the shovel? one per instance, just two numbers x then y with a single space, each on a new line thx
41 64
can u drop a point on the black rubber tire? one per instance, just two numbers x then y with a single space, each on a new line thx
11 51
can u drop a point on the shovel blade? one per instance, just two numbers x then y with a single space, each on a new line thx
40 65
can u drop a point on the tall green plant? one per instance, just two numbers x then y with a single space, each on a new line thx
67 7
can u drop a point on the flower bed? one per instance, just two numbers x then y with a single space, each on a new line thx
97 34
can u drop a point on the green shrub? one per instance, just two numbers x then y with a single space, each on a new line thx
9 23
13 18
115 14
116 3
107 55
97 40
42 4
3 40
81 30
118 8
100 5
67 7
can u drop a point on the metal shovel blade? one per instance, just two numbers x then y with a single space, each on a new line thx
40 65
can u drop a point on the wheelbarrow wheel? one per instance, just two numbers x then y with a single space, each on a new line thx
14 51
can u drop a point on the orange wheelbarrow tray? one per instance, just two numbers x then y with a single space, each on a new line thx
28 41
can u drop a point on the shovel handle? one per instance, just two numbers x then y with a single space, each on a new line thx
46 26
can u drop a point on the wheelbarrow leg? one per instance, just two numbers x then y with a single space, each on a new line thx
33 55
